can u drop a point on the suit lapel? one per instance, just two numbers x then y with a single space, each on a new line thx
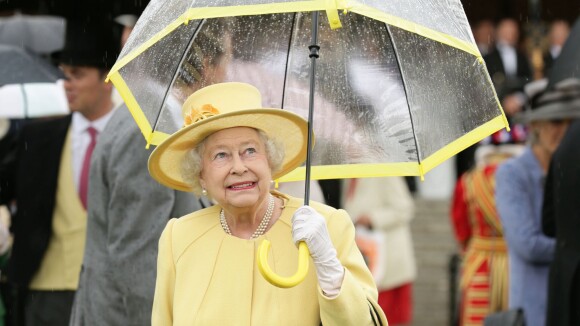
41 152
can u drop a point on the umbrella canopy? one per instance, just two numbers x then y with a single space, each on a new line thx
20 66
40 34
29 85
33 100
399 88
567 65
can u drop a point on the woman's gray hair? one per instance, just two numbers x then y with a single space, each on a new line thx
533 137
191 163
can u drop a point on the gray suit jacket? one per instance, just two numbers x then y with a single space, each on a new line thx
127 212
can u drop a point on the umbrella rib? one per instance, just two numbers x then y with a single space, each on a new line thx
406 96
25 101
287 61
30 60
175 73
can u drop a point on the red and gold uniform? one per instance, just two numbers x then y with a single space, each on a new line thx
484 278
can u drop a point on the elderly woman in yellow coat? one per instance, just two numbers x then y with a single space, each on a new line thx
231 149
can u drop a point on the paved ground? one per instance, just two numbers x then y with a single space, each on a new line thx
434 245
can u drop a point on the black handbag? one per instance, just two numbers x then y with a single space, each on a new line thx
511 317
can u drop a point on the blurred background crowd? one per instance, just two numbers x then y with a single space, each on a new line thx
476 237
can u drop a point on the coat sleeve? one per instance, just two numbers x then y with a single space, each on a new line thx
397 206
135 210
356 304
460 214
162 314
523 235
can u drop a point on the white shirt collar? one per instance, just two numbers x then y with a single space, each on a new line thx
80 123
509 58
555 50
501 46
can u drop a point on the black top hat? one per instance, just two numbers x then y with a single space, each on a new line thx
90 42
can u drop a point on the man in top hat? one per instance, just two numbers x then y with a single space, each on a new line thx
48 179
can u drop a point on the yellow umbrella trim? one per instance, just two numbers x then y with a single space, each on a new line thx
152 137
330 6
399 169
415 28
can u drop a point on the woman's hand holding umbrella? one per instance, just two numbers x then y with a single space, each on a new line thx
310 227
310 234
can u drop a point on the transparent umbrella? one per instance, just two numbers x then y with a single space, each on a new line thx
33 100
398 89
30 86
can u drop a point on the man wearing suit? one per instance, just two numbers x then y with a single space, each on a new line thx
557 36
508 67
128 211
510 71
47 178
561 219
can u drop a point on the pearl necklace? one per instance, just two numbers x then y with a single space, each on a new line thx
263 224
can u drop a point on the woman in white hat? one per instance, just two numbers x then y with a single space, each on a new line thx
231 149
519 196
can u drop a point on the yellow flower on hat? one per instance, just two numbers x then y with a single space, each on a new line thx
195 114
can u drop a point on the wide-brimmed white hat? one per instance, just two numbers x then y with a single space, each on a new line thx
223 106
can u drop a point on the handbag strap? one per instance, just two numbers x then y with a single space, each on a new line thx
374 314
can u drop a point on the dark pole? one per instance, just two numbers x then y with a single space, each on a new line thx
536 33
313 56
535 10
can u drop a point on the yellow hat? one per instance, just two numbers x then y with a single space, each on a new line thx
222 106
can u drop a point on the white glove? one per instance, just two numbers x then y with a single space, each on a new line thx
310 227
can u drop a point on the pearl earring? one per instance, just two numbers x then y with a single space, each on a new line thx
204 192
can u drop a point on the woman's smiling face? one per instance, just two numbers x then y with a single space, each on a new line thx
235 168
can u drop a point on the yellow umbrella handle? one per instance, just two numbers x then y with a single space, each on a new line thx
277 280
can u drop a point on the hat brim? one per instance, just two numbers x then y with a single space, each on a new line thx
284 126
555 111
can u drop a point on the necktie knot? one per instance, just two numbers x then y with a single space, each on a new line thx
92 132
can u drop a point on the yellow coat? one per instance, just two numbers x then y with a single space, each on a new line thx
206 277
